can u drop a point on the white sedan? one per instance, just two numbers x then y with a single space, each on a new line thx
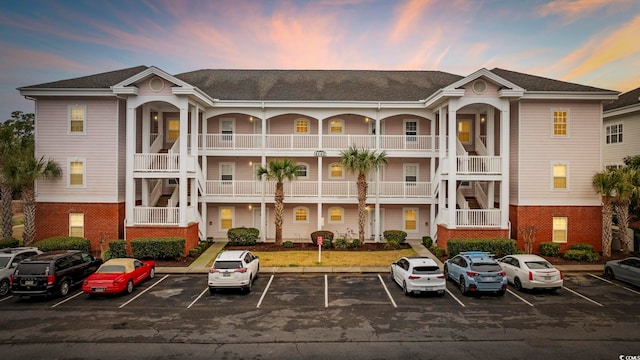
526 271
418 274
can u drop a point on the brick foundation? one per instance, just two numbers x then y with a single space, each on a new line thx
189 233
445 234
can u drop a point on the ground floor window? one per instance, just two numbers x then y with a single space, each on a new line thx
226 218
336 215
410 219
76 224
301 215
560 229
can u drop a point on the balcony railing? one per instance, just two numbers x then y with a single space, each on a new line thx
143 215
342 189
479 165
478 218
156 162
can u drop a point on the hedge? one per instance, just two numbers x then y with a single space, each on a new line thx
243 236
580 255
585 247
549 248
11 243
118 248
395 235
157 248
64 243
497 247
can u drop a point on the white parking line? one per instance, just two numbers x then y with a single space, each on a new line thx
326 291
198 298
612 283
67 299
453 296
387 290
142 292
516 295
7 298
582 296
264 292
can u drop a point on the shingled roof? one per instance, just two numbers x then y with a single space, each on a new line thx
97 81
319 85
627 99
539 83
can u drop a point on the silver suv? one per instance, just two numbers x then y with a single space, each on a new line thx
9 259
234 269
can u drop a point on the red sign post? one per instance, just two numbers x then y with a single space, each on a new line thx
320 242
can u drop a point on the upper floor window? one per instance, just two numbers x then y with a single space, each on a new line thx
560 123
559 230
559 177
77 116
336 171
302 126
410 130
303 171
336 126
76 224
410 173
614 134
336 215
226 129
76 173
300 215
226 173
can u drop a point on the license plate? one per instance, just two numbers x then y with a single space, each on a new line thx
99 289
29 282
226 274
547 278
487 278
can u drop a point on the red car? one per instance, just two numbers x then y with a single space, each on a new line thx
118 275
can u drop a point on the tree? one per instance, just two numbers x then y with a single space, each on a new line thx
632 161
604 183
279 170
624 192
528 233
361 162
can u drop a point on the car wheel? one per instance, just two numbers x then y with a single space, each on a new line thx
248 288
517 284
129 288
4 287
64 287
257 272
152 273
441 293
446 273
608 273
404 288
212 291
462 286
391 274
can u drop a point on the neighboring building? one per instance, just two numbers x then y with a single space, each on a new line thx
145 153
621 129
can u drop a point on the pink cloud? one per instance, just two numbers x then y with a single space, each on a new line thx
572 10
408 16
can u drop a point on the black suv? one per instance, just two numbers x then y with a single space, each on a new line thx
53 272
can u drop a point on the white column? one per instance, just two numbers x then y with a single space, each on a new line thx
194 156
453 168
145 141
130 183
442 155
491 130
504 163
183 156
263 163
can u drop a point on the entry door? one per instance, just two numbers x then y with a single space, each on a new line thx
372 225
257 219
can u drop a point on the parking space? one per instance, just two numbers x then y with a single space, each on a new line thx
334 290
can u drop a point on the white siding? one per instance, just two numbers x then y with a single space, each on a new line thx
613 154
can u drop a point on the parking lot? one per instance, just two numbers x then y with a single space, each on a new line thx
334 290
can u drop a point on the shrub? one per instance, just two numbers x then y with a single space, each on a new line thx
106 255
427 241
64 243
243 236
341 243
497 247
586 247
118 248
579 255
549 249
391 244
9 243
355 243
194 252
437 251
157 248
288 244
327 237
396 235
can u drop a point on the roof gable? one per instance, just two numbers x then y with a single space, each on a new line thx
629 98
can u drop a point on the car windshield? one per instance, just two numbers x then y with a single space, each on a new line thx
33 269
485 267
227 265
4 261
111 269
537 265
425 270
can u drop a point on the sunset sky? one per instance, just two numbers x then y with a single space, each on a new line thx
591 42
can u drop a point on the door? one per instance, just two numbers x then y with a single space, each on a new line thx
372 223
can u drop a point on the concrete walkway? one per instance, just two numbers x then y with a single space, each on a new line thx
202 264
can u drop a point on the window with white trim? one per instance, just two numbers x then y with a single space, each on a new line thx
336 171
559 177
410 173
226 129
301 126
336 215
560 123
613 134
336 126
301 215
410 219
559 230
303 171
411 130
173 129
77 116
226 173
76 169
464 131
226 217
76 224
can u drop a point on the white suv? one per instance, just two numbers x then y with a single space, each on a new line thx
9 259
234 269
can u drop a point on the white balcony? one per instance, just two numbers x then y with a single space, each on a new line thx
478 165
143 215
478 218
156 162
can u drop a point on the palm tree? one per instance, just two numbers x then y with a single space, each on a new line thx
604 183
279 170
361 162
22 171
624 192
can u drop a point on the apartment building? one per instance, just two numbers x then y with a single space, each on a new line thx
146 153
621 129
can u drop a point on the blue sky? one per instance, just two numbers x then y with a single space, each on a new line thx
591 42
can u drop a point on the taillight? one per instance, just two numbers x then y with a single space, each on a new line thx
211 271
51 279
561 278
11 279
502 273
243 270
530 276
441 276
413 277
472 274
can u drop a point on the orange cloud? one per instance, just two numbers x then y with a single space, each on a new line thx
408 15
572 10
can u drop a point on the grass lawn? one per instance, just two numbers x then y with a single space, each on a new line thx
331 258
